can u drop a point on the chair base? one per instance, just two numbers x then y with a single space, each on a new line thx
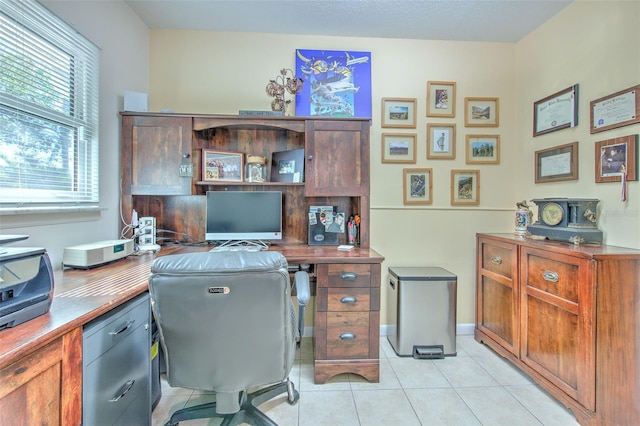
248 413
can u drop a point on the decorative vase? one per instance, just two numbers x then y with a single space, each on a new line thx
255 169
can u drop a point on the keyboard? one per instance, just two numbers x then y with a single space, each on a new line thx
236 248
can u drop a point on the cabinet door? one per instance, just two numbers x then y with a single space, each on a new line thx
45 387
557 321
153 149
337 158
497 292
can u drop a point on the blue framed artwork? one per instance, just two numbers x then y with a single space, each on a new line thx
337 83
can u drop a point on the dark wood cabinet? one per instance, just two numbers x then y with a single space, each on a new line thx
155 147
568 316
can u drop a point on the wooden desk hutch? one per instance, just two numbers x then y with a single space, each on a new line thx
336 172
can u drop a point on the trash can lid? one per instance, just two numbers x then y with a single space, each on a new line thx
421 273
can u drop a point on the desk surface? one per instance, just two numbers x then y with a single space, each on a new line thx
83 295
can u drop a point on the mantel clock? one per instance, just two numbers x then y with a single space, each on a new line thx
567 219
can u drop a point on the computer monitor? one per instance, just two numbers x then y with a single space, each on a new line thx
243 216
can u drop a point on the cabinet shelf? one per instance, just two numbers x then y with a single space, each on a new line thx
231 183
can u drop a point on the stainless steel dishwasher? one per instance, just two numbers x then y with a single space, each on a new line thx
424 299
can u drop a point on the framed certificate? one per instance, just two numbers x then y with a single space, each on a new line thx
557 163
555 112
616 110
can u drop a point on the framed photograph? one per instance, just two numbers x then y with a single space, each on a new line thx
218 166
481 112
465 187
287 166
557 163
399 112
342 89
417 186
616 110
441 141
483 149
441 99
615 157
555 112
399 147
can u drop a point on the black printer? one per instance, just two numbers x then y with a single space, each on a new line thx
26 282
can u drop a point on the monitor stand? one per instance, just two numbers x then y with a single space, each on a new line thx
244 243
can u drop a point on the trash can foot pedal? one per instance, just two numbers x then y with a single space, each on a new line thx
428 352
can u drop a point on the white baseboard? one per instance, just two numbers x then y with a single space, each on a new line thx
385 330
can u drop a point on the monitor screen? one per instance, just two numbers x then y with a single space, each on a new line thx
244 215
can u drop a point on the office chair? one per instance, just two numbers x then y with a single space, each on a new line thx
227 324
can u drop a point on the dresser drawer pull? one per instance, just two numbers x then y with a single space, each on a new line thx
497 260
550 276
349 300
123 391
349 276
123 329
348 336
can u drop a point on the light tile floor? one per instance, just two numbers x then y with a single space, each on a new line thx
477 387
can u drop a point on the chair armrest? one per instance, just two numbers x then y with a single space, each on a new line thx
301 282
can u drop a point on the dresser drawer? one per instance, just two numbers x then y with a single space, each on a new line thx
559 276
348 335
348 275
103 333
498 258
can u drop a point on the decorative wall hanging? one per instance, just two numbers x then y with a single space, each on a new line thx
617 110
557 163
399 112
417 186
465 187
399 147
481 112
615 158
441 141
555 112
337 83
483 149
441 99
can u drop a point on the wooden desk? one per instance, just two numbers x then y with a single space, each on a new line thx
41 360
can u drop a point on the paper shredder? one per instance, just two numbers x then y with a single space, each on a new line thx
425 302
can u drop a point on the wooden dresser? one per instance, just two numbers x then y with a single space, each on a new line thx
567 315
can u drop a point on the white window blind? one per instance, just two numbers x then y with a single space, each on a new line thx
48 110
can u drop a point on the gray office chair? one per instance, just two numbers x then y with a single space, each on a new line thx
227 323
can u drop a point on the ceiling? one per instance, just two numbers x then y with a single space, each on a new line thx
464 20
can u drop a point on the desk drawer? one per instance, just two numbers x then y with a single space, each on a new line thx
348 335
104 332
348 275
498 258
343 299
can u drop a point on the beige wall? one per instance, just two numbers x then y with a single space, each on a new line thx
213 72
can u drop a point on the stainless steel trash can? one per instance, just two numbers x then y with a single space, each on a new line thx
425 302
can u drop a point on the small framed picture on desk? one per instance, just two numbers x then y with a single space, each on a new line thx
287 166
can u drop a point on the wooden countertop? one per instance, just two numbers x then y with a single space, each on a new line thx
83 295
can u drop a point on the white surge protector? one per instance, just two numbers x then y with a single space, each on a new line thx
89 255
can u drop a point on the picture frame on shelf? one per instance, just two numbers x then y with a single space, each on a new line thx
441 141
399 147
616 110
441 99
465 187
481 112
555 112
483 149
287 166
615 157
557 163
417 186
222 166
399 113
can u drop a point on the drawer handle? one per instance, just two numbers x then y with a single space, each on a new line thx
496 259
123 390
349 300
348 336
123 329
551 276
349 276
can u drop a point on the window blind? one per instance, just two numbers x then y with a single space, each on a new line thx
48 109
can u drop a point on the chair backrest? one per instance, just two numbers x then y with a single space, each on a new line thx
226 319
